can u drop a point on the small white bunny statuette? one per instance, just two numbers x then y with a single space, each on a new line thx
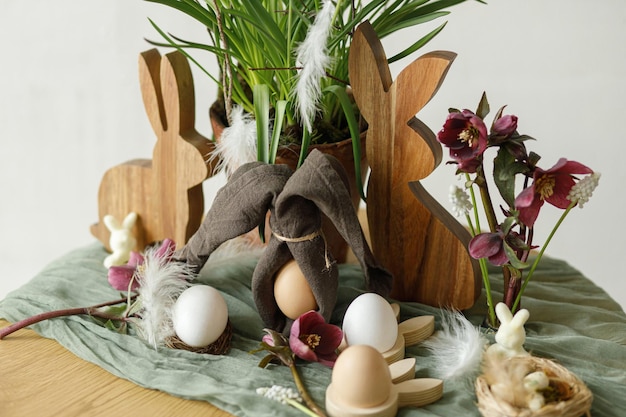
122 241
511 335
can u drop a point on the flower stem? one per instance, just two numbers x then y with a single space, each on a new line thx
540 255
92 311
486 199
490 307
295 404
482 261
304 393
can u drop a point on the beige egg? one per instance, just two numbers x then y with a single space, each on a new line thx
361 378
292 291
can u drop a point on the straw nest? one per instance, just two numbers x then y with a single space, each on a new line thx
219 347
567 395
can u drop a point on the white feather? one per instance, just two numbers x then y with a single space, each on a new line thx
161 282
457 348
312 56
236 248
237 144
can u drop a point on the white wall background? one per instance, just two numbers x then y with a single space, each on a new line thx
70 108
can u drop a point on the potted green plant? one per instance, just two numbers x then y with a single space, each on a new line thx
288 61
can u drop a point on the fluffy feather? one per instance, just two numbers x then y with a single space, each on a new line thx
237 248
312 56
237 145
457 348
161 282
505 377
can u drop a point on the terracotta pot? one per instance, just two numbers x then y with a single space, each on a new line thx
289 155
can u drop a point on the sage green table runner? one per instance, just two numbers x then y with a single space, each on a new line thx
572 321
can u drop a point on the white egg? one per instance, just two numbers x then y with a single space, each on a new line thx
370 320
200 315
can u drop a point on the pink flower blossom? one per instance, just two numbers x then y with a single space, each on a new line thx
465 134
313 340
552 186
490 246
120 276
505 126
493 246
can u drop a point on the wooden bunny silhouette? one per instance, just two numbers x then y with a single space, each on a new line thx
165 192
412 235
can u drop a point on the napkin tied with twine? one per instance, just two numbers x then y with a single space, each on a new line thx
296 202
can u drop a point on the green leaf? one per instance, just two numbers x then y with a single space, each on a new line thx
512 257
135 307
417 45
507 224
533 158
279 116
261 94
355 134
505 168
117 310
266 361
483 107
304 147
180 48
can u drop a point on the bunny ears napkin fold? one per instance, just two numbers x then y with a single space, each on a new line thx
296 201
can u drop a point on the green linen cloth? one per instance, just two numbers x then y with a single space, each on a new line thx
572 321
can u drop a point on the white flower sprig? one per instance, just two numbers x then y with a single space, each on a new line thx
287 396
461 204
279 393
582 191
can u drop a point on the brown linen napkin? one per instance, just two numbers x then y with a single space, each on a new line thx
296 201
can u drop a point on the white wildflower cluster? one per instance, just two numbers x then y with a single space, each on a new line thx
581 191
279 393
461 203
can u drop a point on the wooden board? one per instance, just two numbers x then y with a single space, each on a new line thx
41 378
166 191
424 248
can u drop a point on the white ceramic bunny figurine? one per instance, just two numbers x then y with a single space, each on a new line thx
122 241
511 335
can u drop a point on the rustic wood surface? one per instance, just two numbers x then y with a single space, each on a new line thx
425 249
41 378
165 191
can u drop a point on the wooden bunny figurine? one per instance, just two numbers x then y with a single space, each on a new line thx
165 192
122 241
511 335
412 235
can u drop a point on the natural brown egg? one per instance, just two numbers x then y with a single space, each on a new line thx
292 291
361 378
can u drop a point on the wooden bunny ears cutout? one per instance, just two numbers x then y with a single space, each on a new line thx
165 192
412 235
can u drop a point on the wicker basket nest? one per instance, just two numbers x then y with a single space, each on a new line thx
575 401
219 347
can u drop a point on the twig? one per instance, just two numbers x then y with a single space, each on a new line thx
91 311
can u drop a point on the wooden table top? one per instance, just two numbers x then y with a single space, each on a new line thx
39 377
